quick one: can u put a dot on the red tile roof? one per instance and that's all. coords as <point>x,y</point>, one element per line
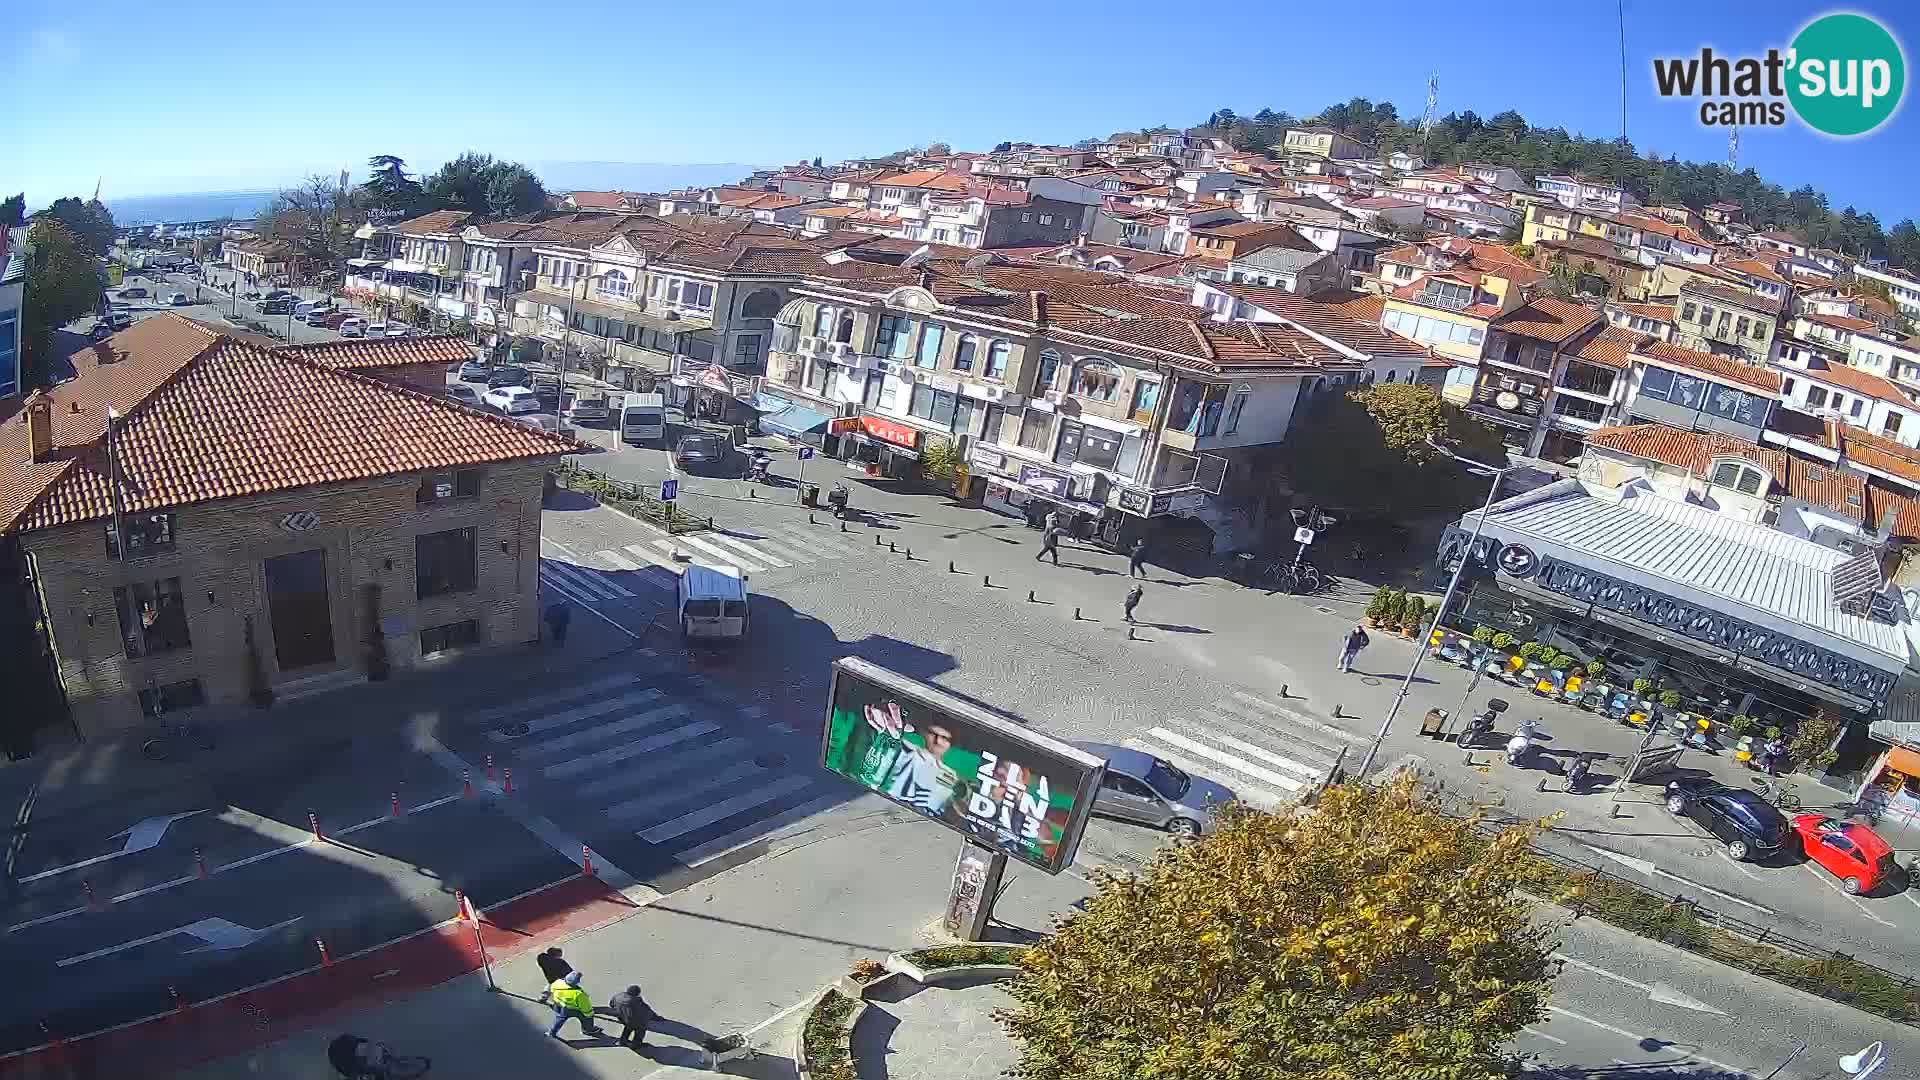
<point>435,223</point>
<point>602,200</point>
<point>1841,322</point>
<point>1612,347</point>
<point>1718,367</point>
<point>207,417</point>
<point>1745,298</point>
<point>1689,450</point>
<point>1830,486</point>
<point>1364,306</point>
<point>372,353</point>
<point>1860,382</point>
<point>1328,319</point>
<point>1886,455</point>
<point>1547,319</point>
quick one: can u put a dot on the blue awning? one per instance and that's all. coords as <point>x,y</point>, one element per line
<point>766,404</point>
<point>794,420</point>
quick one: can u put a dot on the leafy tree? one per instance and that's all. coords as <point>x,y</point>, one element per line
<point>1366,451</point>
<point>1370,936</point>
<point>938,149</point>
<point>1005,145</point>
<point>63,283</point>
<point>1903,245</point>
<point>816,161</point>
<point>318,217</point>
<point>90,222</point>
<point>513,191</point>
<point>389,187</point>
<point>13,212</point>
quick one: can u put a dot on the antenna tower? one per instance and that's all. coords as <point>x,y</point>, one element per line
<point>1733,149</point>
<point>1433,103</point>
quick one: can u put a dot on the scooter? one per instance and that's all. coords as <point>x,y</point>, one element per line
<point>837,498</point>
<point>1520,747</point>
<point>1482,723</point>
<point>758,467</point>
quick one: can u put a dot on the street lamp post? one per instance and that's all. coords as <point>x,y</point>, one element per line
<point>1446,600</point>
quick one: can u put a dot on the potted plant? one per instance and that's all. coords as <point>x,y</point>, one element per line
<point>1377,607</point>
<point>1410,616</point>
<point>1641,686</point>
<point>1530,651</point>
<point>1669,699</point>
<point>1483,634</point>
<point>1740,725</point>
<point>1395,606</point>
<point>1596,668</point>
<point>1560,662</point>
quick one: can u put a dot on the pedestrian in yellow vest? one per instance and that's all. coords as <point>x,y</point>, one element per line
<point>569,1000</point>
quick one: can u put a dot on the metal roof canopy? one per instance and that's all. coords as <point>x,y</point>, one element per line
<point>1746,571</point>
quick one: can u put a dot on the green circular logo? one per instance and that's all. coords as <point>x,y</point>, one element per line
<point>1847,74</point>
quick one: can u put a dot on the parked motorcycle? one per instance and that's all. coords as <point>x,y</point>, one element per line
<point>1520,747</point>
<point>837,498</point>
<point>758,467</point>
<point>1481,724</point>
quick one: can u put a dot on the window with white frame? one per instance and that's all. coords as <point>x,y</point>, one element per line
<point>1096,378</point>
<point>615,285</point>
<point>997,360</point>
<point>822,322</point>
<point>1742,476</point>
<point>928,355</point>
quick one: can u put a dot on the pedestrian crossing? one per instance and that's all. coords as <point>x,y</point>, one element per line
<point>647,571</point>
<point>1270,755</point>
<point>697,779</point>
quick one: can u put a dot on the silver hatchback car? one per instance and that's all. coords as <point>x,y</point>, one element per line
<point>1142,788</point>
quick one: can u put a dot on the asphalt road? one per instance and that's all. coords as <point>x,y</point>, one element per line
<point>213,306</point>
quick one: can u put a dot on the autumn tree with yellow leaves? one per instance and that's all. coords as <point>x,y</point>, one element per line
<point>1371,936</point>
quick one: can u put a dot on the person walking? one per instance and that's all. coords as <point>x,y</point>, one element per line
<point>1050,545</point>
<point>1137,558</point>
<point>1351,645</point>
<point>1133,599</point>
<point>634,1015</point>
<point>552,969</point>
<point>569,1000</point>
<point>557,618</point>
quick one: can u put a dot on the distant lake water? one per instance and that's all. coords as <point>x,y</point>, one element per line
<point>191,206</point>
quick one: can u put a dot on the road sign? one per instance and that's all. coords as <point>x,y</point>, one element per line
<point>1303,535</point>
<point>668,489</point>
<point>805,452</point>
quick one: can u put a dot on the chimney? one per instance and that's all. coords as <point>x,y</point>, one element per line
<point>1040,309</point>
<point>39,426</point>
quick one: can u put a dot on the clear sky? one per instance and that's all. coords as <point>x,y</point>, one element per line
<point>217,94</point>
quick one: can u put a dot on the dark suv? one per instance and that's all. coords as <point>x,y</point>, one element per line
<point>1748,824</point>
<point>509,375</point>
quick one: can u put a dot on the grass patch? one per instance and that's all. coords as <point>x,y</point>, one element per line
<point>946,956</point>
<point>1835,977</point>
<point>827,1055</point>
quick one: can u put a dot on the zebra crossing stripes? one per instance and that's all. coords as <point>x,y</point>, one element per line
<point>725,555</point>
<point>579,584</point>
<point>1268,755</point>
<point>675,772</point>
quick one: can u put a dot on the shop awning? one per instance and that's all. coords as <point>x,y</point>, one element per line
<point>794,420</point>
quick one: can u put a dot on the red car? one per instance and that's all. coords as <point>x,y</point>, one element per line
<point>1851,852</point>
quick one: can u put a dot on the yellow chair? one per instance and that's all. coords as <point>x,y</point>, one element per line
<point>1574,682</point>
<point>1637,719</point>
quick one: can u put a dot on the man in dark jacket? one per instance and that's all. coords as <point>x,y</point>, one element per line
<point>634,1015</point>
<point>1137,558</point>
<point>1049,545</point>
<point>552,970</point>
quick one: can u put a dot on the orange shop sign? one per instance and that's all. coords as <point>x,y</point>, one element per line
<point>888,431</point>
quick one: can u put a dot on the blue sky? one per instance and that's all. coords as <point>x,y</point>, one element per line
<point>218,94</point>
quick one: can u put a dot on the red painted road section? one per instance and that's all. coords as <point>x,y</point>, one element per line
<point>243,1021</point>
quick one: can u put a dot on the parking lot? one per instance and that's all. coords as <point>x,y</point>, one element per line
<point>210,304</point>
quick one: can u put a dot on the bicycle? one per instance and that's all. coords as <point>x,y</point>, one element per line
<point>361,1059</point>
<point>1298,578</point>
<point>182,732</point>
<point>1777,793</point>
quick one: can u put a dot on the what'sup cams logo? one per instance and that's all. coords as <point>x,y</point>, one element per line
<point>1843,75</point>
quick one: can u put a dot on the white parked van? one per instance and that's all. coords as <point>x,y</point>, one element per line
<point>644,419</point>
<point>713,602</point>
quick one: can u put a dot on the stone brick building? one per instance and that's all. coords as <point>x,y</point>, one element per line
<point>204,520</point>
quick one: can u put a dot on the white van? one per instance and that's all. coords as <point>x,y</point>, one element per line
<point>713,602</point>
<point>644,419</point>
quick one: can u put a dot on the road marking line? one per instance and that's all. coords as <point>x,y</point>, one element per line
<point>781,550</point>
<point>1544,1035</point>
<point>1268,756</point>
<point>1583,965</point>
<point>1286,715</point>
<point>1634,1035</point>
<point>567,592</point>
<point>726,845</point>
<point>605,682</point>
<point>572,716</point>
<point>724,809</point>
<point>1253,795</point>
<point>1231,761</point>
<point>668,565</point>
<point>1835,886</point>
<point>735,542</point>
<point>796,536</point>
<point>633,749</point>
<point>144,835</point>
<point>619,561</point>
<point>583,582</point>
<point>641,807</point>
<point>631,720</point>
<point>727,558</point>
<point>642,778</point>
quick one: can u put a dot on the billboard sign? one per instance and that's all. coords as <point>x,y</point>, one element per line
<point>985,776</point>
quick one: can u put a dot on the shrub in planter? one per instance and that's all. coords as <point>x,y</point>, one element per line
<point>1813,741</point>
<point>1483,634</point>
<point>1503,640</point>
<point>1377,607</point>
<point>1560,662</point>
<point>1530,650</point>
<point>1416,610</point>
<point>1740,725</point>
<point>1641,686</point>
<point>1396,606</point>
<point>1670,699</point>
<point>1596,668</point>
<point>1770,732</point>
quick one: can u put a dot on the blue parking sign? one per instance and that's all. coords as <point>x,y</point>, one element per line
<point>668,489</point>
<point>805,452</point>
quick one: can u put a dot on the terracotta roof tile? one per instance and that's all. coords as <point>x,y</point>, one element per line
<point>1719,367</point>
<point>1612,347</point>
<point>1547,319</point>
<point>209,417</point>
<point>1328,319</point>
<point>1365,306</point>
<point>1689,450</point>
<point>1745,298</point>
<point>1829,486</point>
<point>1886,455</point>
<point>1841,322</point>
<point>367,354</point>
<point>1860,382</point>
<point>435,223</point>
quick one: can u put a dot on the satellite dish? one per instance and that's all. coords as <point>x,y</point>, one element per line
<point>918,256</point>
<point>980,262</point>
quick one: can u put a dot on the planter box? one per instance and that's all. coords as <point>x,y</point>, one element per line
<point>943,976</point>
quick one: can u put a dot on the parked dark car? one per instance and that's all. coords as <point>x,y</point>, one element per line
<point>475,371</point>
<point>281,306</point>
<point>700,452</point>
<point>509,375</point>
<point>1749,825</point>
